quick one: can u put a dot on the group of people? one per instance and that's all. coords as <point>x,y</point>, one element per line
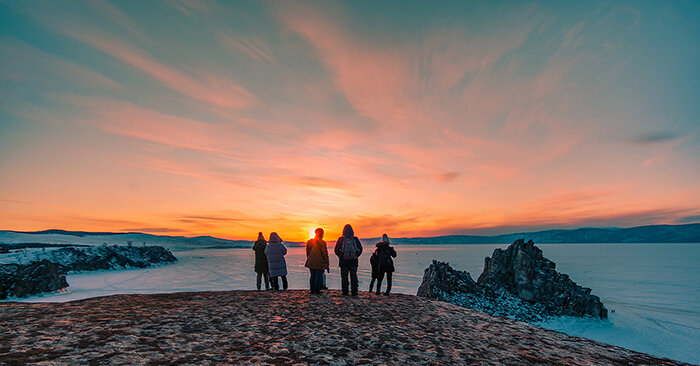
<point>270,264</point>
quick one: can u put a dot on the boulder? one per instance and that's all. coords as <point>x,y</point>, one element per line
<point>20,280</point>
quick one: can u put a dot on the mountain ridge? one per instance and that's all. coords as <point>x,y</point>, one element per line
<point>685,233</point>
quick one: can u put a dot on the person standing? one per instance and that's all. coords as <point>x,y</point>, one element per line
<point>385,263</point>
<point>277,266</point>
<point>317,260</point>
<point>348,248</point>
<point>261,262</point>
<point>375,270</point>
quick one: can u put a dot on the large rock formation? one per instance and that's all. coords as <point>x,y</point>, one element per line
<point>517,282</point>
<point>20,280</point>
<point>523,271</point>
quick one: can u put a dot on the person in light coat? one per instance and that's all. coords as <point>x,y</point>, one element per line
<point>276,264</point>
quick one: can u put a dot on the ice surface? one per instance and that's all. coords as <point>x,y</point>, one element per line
<point>654,289</point>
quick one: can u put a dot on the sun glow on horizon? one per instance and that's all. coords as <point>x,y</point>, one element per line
<point>419,121</point>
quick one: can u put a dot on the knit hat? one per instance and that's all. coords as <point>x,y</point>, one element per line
<point>385,238</point>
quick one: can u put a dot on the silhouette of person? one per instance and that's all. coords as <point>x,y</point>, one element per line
<point>385,263</point>
<point>317,260</point>
<point>348,248</point>
<point>261,262</point>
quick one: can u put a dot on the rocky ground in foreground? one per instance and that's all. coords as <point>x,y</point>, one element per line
<point>286,327</point>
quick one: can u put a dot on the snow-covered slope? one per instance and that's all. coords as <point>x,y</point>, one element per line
<point>136,239</point>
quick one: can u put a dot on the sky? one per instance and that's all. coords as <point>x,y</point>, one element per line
<point>400,117</point>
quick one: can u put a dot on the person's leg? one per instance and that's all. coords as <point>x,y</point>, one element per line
<point>344,280</point>
<point>285,285</point>
<point>388,282</point>
<point>374,279</point>
<point>323,281</point>
<point>274,283</point>
<point>354,284</point>
<point>318,280</point>
<point>266,277</point>
<point>380,277</point>
<point>312,281</point>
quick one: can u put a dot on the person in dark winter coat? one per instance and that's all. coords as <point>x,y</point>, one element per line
<point>348,248</point>
<point>277,266</point>
<point>261,262</point>
<point>385,263</point>
<point>317,260</point>
<point>375,272</point>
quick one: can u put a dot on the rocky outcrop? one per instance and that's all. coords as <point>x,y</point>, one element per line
<point>110,257</point>
<point>441,280</point>
<point>525,272</point>
<point>517,282</point>
<point>285,328</point>
<point>46,271</point>
<point>20,280</point>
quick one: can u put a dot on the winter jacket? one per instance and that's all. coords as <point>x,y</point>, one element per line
<point>275,253</point>
<point>260,257</point>
<point>316,254</point>
<point>347,238</point>
<point>383,248</point>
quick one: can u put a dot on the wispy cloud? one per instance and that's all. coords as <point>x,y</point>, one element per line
<point>205,87</point>
<point>25,63</point>
<point>252,47</point>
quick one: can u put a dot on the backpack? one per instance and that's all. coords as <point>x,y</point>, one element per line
<point>349,249</point>
<point>385,260</point>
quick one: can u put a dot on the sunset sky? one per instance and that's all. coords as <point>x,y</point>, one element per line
<point>410,118</point>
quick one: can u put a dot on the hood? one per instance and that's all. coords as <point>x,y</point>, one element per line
<point>348,231</point>
<point>274,238</point>
<point>382,243</point>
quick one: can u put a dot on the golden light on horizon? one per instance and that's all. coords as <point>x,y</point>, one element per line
<point>312,232</point>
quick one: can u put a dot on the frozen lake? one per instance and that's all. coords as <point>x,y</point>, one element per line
<point>654,289</point>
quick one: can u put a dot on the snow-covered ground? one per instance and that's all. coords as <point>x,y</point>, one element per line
<point>654,289</point>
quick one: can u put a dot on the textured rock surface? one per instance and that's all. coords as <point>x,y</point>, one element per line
<point>442,282</point>
<point>290,327</point>
<point>110,257</point>
<point>517,282</point>
<point>523,271</point>
<point>20,280</point>
<point>45,271</point>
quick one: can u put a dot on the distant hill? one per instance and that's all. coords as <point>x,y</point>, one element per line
<point>689,233</point>
<point>55,236</point>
